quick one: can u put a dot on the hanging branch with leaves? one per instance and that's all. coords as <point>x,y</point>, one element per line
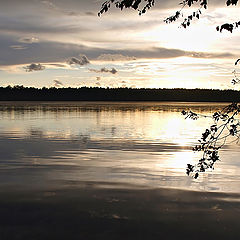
<point>214,138</point>
<point>142,6</point>
<point>187,20</point>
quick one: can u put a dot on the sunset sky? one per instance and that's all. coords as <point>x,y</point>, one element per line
<point>64,43</point>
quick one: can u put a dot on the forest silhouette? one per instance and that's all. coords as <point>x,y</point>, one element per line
<point>21,93</point>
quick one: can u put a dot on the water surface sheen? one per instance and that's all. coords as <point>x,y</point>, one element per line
<point>145,144</point>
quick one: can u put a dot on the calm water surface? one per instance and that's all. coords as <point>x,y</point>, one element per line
<point>129,144</point>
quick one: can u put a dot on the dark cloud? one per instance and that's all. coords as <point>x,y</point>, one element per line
<point>98,78</point>
<point>55,52</point>
<point>82,60</point>
<point>57,83</point>
<point>98,84</point>
<point>104,70</point>
<point>34,67</point>
<point>113,71</point>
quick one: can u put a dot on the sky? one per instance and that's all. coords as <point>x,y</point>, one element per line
<point>63,43</point>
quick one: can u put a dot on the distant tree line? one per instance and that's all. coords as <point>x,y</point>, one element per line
<point>21,93</point>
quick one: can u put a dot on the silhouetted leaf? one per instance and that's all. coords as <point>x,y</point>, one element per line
<point>237,61</point>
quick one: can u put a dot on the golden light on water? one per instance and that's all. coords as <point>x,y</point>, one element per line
<point>172,129</point>
<point>176,162</point>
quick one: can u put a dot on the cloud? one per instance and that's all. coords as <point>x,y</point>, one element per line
<point>209,55</point>
<point>53,7</point>
<point>160,53</point>
<point>104,70</point>
<point>57,83</point>
<point>29,40</point>
<point>49,5</point>
<point>18,47</point>
<point>82,60</point>
<point>98,78</point>
<point>98,84</point>
<point>90,13</point>
<point>57,65</point>
<point>165,53</point>
<point>34,67</point>
<point>124,84</point>
<point>114,57</point>
<point>41,25</point>
<point>56,52</point>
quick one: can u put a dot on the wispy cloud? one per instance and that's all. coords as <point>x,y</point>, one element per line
<point>90,13</point>
<point>57,65</point>
<point>115,57</point>
<point>51,6</point>
<point>104,70</point>
<point>209,55</point>
<point>28,40</point>
<point>18,47</point>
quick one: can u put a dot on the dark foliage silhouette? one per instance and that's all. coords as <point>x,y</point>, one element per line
<point>225,126</point>
<point>142,6</point>
<point>21,93</point>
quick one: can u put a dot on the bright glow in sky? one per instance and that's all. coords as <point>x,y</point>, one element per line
<point>122,49</point>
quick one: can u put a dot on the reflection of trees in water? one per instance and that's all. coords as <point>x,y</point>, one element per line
<point>21,108</point>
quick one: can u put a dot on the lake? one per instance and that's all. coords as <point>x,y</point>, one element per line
<point>143,144</point>
<point>125,153</point>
